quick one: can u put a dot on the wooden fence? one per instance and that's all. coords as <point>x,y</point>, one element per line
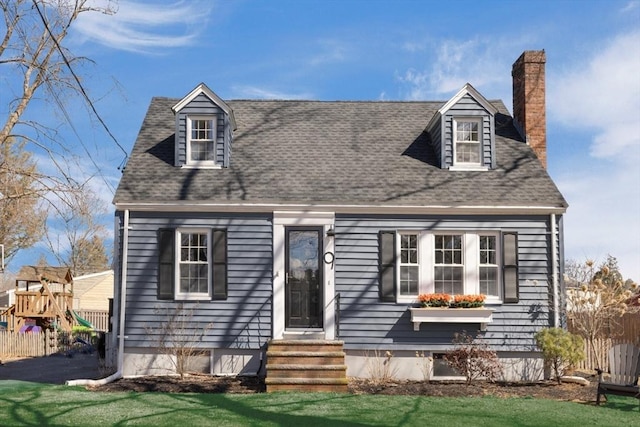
<point>45,343</point>
<point>98,318</point>
<point>627,331</point>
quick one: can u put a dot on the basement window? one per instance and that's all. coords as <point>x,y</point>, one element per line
<point>442,370</point>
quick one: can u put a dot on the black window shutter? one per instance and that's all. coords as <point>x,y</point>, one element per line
<point>166,263</point>
<point>219,265</point>
<point>386,265</point>
<point>510,267</point>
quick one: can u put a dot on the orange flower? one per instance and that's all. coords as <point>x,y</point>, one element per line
<point>468,301</point>
<point>434,300</point>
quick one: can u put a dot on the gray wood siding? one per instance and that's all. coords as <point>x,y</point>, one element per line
<point>435,134</point>
<point>365,322</point>
<point>201,105</point>
<point>243,320</point>
<point>468,107</point>
<point>228,139</point>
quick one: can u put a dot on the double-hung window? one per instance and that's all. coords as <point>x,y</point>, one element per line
<point>201,132</point>
<point>467,144</point>
<point>488,267</point>
<point>409,264</point>
<point>193,263</point>
<point>448,270</point>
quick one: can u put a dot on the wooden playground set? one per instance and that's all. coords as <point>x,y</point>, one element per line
<point>43,298</point>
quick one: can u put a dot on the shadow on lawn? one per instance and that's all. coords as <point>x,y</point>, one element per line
<point>622,404</point>
<point>26,403</point>
<point>35,408</point>
<point>281,415</point>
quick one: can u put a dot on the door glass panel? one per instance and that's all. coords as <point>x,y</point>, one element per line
<point>303,255</point>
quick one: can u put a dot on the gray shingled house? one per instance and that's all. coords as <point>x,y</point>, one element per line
<point>304,232</point>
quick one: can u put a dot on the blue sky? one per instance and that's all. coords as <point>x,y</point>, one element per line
<point>382,50</point>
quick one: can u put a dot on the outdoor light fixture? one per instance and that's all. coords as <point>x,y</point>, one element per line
<point>331,232</point>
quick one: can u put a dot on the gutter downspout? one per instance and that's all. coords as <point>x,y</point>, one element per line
<point>554,272</point>
<point>123,298</point>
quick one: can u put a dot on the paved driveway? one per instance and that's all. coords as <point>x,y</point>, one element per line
<point>54,369</point>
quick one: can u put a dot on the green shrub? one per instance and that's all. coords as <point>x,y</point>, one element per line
<point>560,348</point>
<point>79,329</point>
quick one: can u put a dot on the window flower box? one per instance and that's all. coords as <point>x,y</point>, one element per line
<point>481,315</point>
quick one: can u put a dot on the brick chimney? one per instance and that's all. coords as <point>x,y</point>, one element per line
<point>529,100</point>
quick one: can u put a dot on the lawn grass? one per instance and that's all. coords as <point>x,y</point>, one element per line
<point>31,404</point>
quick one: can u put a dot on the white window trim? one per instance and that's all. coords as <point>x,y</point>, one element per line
<point>214,130</point>
<point>470,260</point>
<point>195,296</point>
<point>467,165</point>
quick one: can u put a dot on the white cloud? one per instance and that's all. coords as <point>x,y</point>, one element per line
<point>481,62</point>
<point>331,51</point>
<point>601,97</point>
<point>603,94</point>
<point>631,6</point>
<point>145,27</point>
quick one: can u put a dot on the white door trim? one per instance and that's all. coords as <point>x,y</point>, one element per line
<point>281,219</point>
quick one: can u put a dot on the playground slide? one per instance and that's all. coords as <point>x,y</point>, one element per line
<point>81,321</point>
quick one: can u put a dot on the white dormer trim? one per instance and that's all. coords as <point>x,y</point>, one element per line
<point>203,89</point>
<point>467,89</point>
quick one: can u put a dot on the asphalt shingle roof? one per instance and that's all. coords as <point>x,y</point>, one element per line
<point>338,153</point>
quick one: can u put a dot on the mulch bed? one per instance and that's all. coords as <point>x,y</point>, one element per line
<point>213,384</point>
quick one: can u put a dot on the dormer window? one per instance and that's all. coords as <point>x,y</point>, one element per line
<point>204,130</point>
<point>467,142</point>
<point>462,132</point>
<point>201,131</point>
